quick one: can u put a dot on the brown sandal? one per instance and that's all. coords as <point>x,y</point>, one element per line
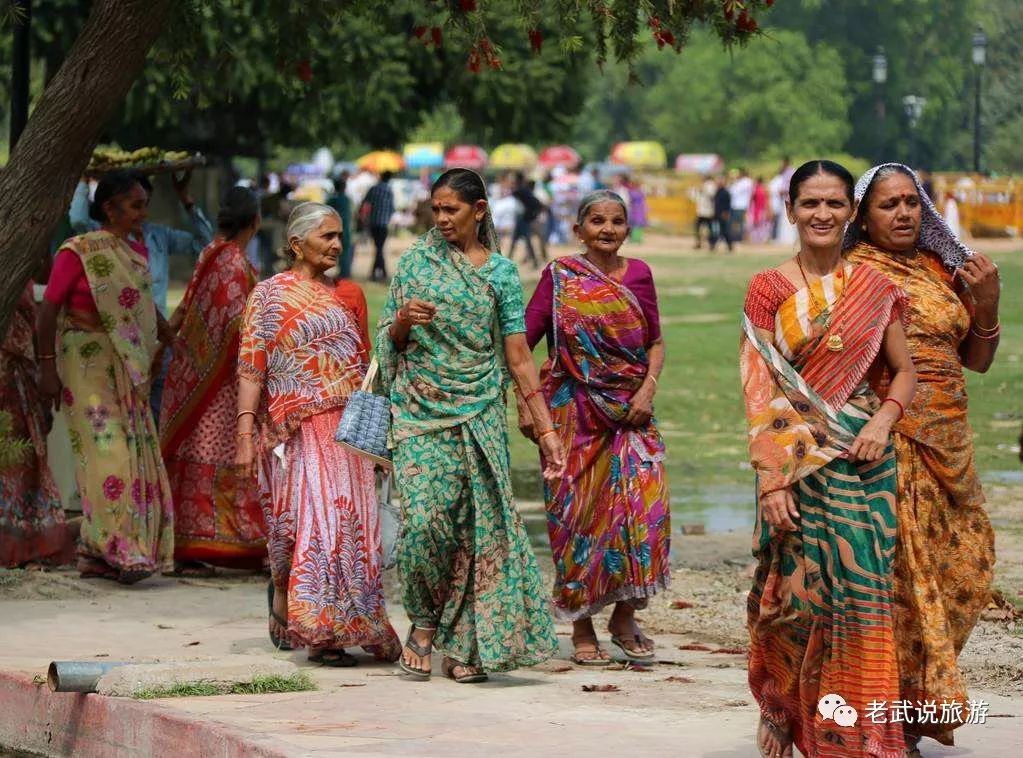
<point>422,652</point>
<point>587,658</point>
<point>474,676</point>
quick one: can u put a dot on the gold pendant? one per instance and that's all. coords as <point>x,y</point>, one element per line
<point>835,343</point>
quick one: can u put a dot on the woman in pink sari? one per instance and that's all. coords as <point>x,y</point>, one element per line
<point>608,517</point>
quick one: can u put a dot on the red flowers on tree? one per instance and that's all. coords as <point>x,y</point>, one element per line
<point>536,40</point>
<point>304,71</point>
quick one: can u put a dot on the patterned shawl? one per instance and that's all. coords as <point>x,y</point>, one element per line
<point>206,355</point>
<point>122,288</point>
<point>935,234</point>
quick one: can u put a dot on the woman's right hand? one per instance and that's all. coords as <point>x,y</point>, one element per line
<point>554,457</point>
<point>780,509</point>
<point>49,386</point>
<point>245,455</point>
<point>416,312</point>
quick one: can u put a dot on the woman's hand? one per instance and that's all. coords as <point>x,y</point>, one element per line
<point>641,406</point>
<point>779,508</point>
<point>526,424</point>
<point>981,274</point>
<point>416,312</point>
<point>872,440</point>
<point>553,455</point>
<point>49,386</point>
<point>245,455</point>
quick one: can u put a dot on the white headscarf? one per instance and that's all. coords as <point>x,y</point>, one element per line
<point>935,234</point>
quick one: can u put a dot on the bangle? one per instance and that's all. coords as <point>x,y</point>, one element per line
<point>652,378</point>
<point>244,434</point>
<point>525,398</point>
<point>985,329</point>
<point>992,336</point>
<point>48,357</point>
<point>902,408</point>
<point>541,435</point>
<point>245,413</point>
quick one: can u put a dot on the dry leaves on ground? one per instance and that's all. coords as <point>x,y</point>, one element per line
<point>600,688</point>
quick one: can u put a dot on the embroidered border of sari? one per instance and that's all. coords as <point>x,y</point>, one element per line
<point>820,611</point>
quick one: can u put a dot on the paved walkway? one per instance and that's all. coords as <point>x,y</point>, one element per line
<point>694,704</point>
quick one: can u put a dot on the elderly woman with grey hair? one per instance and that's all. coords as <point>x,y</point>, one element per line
<point>301,357</point>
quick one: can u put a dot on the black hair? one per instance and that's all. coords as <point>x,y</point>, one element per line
<point>239,210</point>
<point>386,176</point>
<point>859,233</point>
<point>111,185</point>
<point>469,187</point>
<point>147,185</point>
<point>815,168</point>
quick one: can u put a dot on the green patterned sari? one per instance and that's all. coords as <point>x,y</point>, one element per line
<point>464,556</point>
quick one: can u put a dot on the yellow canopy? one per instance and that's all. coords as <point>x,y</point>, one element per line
<point>381,160</point>
<point>513,156</point>
<point>639,154</point>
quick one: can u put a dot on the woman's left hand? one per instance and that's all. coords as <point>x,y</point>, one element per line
<point>871,442</point>
<point>981,274</point>
<point>641,407</point>
<point>554,457</point>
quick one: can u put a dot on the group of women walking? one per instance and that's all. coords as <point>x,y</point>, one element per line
<point>874,552</point>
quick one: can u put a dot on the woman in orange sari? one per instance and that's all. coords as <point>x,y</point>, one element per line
<point>822,647</point>
<point>218,517</point>
<point>945,555</point>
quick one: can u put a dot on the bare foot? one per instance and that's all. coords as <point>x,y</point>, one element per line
<point>280,611</point>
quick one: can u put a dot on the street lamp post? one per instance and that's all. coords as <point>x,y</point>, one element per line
<point>880,75</point>
<point>914,107</point>
<point>979,59</point>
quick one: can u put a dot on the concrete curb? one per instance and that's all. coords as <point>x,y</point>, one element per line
<point>67,724</point>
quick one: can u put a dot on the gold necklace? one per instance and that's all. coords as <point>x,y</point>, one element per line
<point>834,343</point>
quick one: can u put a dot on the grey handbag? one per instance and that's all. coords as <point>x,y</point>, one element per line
<point>365,421</point>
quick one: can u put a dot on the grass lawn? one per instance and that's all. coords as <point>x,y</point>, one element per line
<point>699,408</point>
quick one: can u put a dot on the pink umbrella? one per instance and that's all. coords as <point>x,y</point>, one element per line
<point>466,156</point>
<point>559,155</point>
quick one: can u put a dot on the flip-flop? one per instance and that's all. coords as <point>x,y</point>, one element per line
<point>596,662</point>
<point>618,641</point>
<point>475,677</point>
<point>278,642</point>
<point>422,652</point>
<point>132,576</point>
<point>333,658</point>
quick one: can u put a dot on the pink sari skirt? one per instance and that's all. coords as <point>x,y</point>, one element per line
<point>323,538</point>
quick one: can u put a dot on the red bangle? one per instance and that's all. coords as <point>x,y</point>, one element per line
<point>537,391</point>
<point>902,408</point>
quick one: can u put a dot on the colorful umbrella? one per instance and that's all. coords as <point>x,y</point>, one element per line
<point>381,160</point>
<point>639,154</point>
<point>513,156</point>
<point>466,156</point>
<point>424,154</point>
<point>699,163</point>
<point>559,155</point>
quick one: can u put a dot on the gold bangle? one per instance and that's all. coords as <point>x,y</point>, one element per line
<point>652,378</point>
<point>245,434</point>
<point>245,413</point>
<point>541,435</point>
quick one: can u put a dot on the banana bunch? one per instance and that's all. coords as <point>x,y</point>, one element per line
<point>109,158</point>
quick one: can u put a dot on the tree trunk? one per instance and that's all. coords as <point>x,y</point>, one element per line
<point>54,149</point>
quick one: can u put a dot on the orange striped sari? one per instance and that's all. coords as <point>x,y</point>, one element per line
<point>820,611</point>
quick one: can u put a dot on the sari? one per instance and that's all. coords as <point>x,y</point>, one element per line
<point>128,522</point>
<point>303,347</point>
<point>463,552</point>
<point>32,525</point>
<point>218,516</point>
<point>945,559</point>
<point>820,611</point>
<point>609,517</point>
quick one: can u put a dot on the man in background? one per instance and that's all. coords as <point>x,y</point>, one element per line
<point>379,204</point>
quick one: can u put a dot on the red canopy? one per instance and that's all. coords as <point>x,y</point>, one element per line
<point>466,156</point>
<point>559,155</point>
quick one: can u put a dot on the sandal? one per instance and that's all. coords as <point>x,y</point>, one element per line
<point>278,642</point>
<point>636,654</point>
<point>132,576</point>
<point>474,675</point>
<point>422,652</point>
<point>780,733</point>
<point>596,657</point>
<point>332,658</point>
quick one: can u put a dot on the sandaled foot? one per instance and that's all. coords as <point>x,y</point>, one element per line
<point>278,611</point>
<point>93,568</point>
<point>588,652</point>
<point>463,673</point>
<point>629,638</point>
<point>389,651</point>
<point>773,741</point>
<point>415,655</point>
<point>192,569</point>
<point>132,575</point>
<point>333,658</point>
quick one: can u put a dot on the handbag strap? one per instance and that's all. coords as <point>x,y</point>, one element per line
<point>371,375</point>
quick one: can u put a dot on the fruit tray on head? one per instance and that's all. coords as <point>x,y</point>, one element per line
<point>146,160</point>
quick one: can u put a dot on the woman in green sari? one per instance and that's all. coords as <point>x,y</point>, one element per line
<point>454,323</point>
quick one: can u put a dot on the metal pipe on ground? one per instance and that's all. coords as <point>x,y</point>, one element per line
<point>78,676</point>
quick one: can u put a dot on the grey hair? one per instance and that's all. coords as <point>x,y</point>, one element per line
<point>304,219</point>
<point>599,196</point>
